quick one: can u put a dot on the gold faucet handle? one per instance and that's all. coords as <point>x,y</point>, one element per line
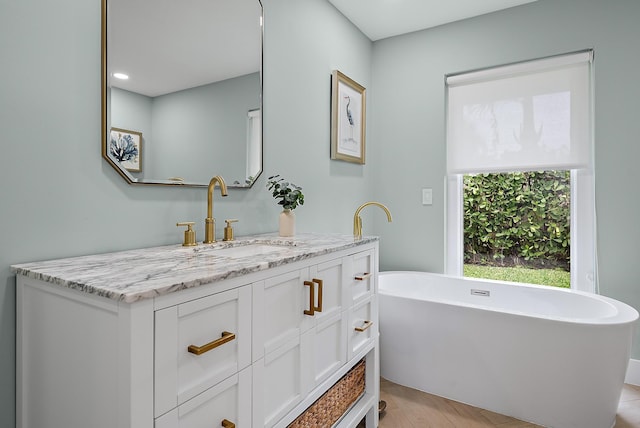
<point>189,234</point>
<point>228,230</point>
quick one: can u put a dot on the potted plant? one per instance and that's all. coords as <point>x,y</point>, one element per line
<point>289,196</point>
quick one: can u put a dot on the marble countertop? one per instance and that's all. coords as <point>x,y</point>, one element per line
<point>133,275</point>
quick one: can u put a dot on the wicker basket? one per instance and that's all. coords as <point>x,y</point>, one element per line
<point>334,403</point>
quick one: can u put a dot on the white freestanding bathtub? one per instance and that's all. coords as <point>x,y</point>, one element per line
<point>554,357</point>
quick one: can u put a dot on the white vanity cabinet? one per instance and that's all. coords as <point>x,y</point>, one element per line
<point>253,349</point>
<point>300,352</point>
<point>300,336</point>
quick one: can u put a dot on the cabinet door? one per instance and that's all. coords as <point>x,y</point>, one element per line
<point>329,279</point>
<point>280,349</point>
<point>278,311</point>
<point>281,380</point>
<point>200,343</point>
<point>229,401</point>
<point>329,351</point>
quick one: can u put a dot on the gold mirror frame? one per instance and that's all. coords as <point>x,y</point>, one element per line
<point>105,131</point>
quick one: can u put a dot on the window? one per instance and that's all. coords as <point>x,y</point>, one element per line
<point>531,116</point>
<point>254,145</point>
<point>517,226</point>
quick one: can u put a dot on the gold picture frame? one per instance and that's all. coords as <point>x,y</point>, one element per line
<point>348,119</point>
<point>125,147</point>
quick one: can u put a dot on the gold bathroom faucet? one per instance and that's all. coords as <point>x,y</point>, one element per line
<point>210,222</point>
<point>357,221</point>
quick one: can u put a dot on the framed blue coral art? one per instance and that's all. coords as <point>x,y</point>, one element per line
<point>125,147</point>
<point>348,108</point>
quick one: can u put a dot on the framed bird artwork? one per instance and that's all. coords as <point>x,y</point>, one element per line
<point>348,109</point>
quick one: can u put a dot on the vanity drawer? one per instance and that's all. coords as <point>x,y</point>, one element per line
<point>362,327</point>
<point>229,401</point>
<point>200,343</point>
<point>362,277</point>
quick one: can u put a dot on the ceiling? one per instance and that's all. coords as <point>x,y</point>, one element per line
<point>379,19</point>
<point>169,45</point>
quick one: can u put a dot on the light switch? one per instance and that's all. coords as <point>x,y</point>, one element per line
<point>427,196</point>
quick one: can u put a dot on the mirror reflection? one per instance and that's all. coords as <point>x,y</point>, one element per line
<point>182,90</point>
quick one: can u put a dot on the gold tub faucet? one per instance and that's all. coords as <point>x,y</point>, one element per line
<point>210,222</point>
<point>357,221</point>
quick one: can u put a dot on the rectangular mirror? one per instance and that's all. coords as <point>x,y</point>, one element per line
<point>182,90</point>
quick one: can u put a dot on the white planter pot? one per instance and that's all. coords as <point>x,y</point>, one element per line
<point>287,223</point>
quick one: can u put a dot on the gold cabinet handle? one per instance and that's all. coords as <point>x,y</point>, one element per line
<point>199,350</point>
<point>363,276</point>
<point>319,307</point>
<point>312,293</point>
<point>228,424</point>
<point>365,326</point>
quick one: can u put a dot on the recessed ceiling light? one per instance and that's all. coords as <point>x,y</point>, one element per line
<point>121,76</point>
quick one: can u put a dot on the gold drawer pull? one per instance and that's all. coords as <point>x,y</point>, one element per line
<point>199,350</point>
<point>228,424</point>
<point>319,307</point>
<point>363,276</point>
<point>312,293</point>
<point>365,326</point>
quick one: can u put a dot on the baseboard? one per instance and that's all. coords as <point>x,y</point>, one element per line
<point>633,372</point>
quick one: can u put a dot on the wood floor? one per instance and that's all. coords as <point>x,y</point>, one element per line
<point>409,408</point>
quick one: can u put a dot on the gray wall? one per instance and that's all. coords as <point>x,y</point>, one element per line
<point>188,133</point>
<point>133,112</point>
<point>204,128</point>
<point>408,123</point>
<point>59,198</point>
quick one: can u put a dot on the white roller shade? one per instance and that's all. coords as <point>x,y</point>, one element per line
<point>522,117</point>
